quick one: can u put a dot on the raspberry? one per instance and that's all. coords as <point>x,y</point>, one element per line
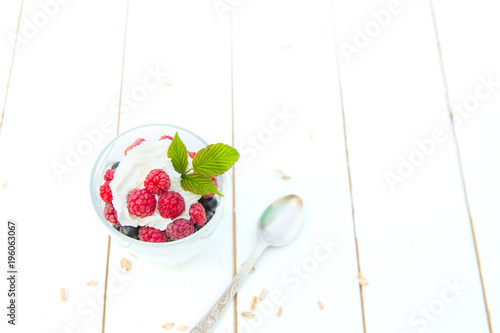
<point>180,229</point>
<point>192,154</point>
<point>197,213</point>
<point>206,196</point>
<point>152,235</point>
<point>110,214</point>
<point>141,203</point>
<point>171,205</point>
<point>157,181</point>
<point>105,192</point>
<point>109,175</point>
<point>166,137</point>
<point>135,144</point>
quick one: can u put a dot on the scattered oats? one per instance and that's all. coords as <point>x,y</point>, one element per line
<point>132,255</point>
<point>281,174</point>
<point>311,134</point>
<point>5,184</point>
<point>64,294</point>
<point>262,294</point>
<point>91,283</point>
<point>253,303</point>
<point>167,84</point>
<point>125,265</point>
<point>168,326</point>
<point>286,48</point>
<point>362,281</point>
<point>182,328</point>
<point>247,315</point>
<point>280,311</point>
<point>320,305</point>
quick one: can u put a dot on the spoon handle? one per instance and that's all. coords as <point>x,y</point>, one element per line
<point>209,322</point>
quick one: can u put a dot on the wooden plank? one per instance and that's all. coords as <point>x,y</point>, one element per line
<point>190,49</point>
<point>415,242</point>
<point>9,19</point>
<point>288,117</point>
<point>470,56</point>
<point>63,83</point>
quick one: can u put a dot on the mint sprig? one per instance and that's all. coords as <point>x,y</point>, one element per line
<point>198,184</point>
<point>177,152</point>
<point>214,160</point>
<point>209,162</point>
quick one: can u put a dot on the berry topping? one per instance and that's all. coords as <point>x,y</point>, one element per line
<point>141,203</point>
<point>135,144</point>
<point>108,176</point>
<point>214,180</point>
<point>152,235</point>
<point>210,214</point>
<point>130,231</point>
<point>197,213</point>
<point>180,229</point>
<point>114,166</point>
<point>157,181</point>
<point>208,203</point>
<point>105,192</point>
<point>166,137</point>
<point>110,214</point>
<point>192,154</point>
<point>171,205</point>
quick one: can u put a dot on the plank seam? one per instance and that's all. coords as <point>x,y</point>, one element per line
<point>11,65</point>
<point>117,133</point>
<point>348,165</point>
<point>459,160</point>
<point>235,262</point>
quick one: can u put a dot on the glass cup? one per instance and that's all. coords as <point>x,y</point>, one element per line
<point>171,253</point>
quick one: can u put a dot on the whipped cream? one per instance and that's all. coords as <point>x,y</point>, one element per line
<point>130,175</point>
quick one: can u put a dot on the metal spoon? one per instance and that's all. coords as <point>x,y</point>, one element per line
<point>278,225</point>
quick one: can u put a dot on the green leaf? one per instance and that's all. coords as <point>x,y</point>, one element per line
<point>199,184</point>
<point>214,160</point>
<point>177,152</point>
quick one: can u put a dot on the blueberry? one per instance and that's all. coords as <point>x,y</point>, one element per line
<point>114,166</point>
<point>197,227</point>
<point>117,227</point>
<point>209,203</point>
<point>210,214</point>
<point>130,231</point>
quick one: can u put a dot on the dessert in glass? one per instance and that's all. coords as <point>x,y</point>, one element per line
<point>155,197</point>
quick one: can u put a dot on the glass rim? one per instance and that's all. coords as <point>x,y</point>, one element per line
<point>110,227</point>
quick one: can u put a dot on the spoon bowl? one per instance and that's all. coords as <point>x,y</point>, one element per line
<point>281,220</point>
<point>277,226</point>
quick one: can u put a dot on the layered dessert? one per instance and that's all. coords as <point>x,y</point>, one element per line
<point>160,192</point>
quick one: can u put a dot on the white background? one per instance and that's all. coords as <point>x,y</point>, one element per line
<point>351,99</point>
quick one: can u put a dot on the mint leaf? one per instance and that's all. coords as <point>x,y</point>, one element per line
<point>177,152</point>
<point>214,160</point>
<point>199,184</point>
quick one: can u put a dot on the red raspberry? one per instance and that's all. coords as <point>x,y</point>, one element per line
<point>105,192</point>
<point>135,144</point>
<point>192,154</point>
<point>180,229</point>
<point>152,235</point>
<point>171,205</point>
<point>109,175</point>
<point>197,213</point>
<point>110,214</point>
<point>157,181</point>
<point>141,203</point>
<point>206,196</point>
<point>166,137</point>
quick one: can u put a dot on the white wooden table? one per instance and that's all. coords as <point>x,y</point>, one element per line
<point>351,99</point>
